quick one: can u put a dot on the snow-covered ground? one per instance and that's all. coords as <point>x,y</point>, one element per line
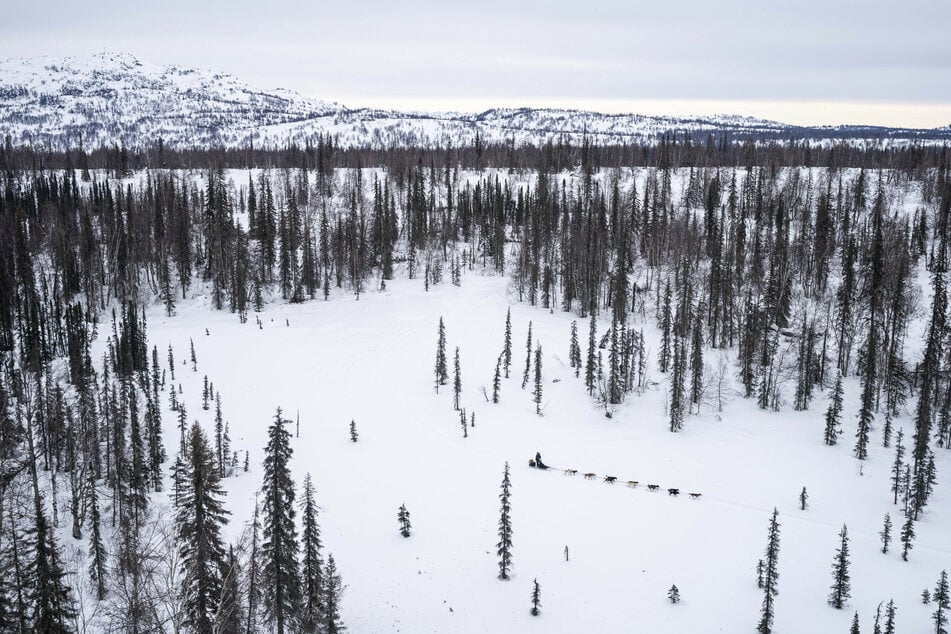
<point>371,360</point>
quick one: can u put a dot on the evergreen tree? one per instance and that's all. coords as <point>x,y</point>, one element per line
<point>663,360</point>
<point>528,357</point>
<point>841,580</point>
<point>505,527</point>
<point>696,359</point>
<point>354,436</point>
<point>907,537</point>
<point>280,577</point>
<point>456,381</point>
<point>254,591</point>
<point>834,413</point>
<point>770,576</point>
<point>403,518</point>
<point>171,363</point>
<point>97,550</point>
<point>803,500</point>
<point>507,347</point>
<point>51,598</point>
<point>221,452</point>
<point>855,625</point>
<point>676,405</point>
<point>201,515</point>
<point>333,590</point>
<point>497,380</point>
<point>311,562</point>
<point>229,615</point>
<point>942,600</point>
<point>673,595</point>
<point>591,365</point>
<point>886,533</point>
<point>574,349</point>
<point>536,598</point>
<point>537,393</point>
<point>442,372</point>
<point>896,478</point>
<point>890,610</point>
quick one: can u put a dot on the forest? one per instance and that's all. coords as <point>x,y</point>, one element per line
<point>812,264</point>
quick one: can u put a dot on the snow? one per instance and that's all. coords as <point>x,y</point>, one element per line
<point>371,360</point>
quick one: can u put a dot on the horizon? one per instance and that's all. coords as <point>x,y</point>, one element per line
<point>792,113</point>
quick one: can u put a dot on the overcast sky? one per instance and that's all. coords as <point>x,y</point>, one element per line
<point>803,61</point>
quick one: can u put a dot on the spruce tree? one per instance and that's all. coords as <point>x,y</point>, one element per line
<point>403,518</point>
<point>507,347</point>
<point>663,359</point>
<point>536,598</point>
<point>201,515</point>
<point>907,536</point>
<point>333,590</point>
<point>841,581</point>
<point>896,478</point>
<point>280,576</point>
<point>456,381</point>
<point>574,349</point>
<point>696,359</point>
<point>591,365</point>
<point>942,599</point>
<point>528,357</point>
<point>537,392</point>
<point>441,370</point>
<point>504,547</point>
<point>855,625</point>
<point>890,610</point>
<point>50,596</point>
<point>677,396</point>
<point>229,617</point>
<point>354,436</point>
<point>97,550</point>
<point>497,380</point>
<point>803,500</point>
<point>673,595</point>
<point>311,561</point>
<point>834,412</point>
<point>770,576</point>
<point>886,533</point>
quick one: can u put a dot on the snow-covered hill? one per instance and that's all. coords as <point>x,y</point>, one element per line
<point>112,98</point>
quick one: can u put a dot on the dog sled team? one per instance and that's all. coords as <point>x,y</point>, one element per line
<point>537,463</point>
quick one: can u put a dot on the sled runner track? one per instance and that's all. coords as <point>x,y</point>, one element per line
<point>611,479</point>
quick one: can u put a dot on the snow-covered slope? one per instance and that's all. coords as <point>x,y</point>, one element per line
<point>112,98</point>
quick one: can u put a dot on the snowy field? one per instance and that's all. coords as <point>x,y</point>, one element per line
<point>371,360</point>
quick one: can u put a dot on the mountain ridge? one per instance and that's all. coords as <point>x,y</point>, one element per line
<point>110,98</point>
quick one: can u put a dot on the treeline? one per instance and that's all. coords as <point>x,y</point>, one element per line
<point>807,274</point>
<point>324,153</point>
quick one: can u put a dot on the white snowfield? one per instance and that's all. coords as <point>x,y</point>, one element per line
<point>371,360</point>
